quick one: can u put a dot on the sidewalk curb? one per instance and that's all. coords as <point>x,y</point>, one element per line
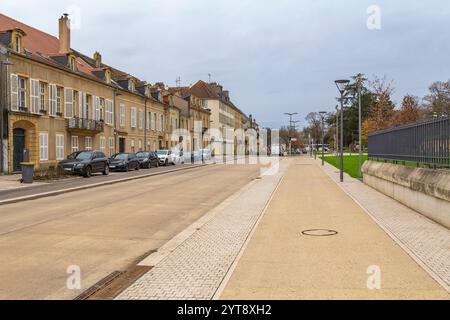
<point>91,186</point>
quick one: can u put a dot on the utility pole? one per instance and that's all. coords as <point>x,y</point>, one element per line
<point>178,82</point>
<point>290,127</point>
<point>209,77</point>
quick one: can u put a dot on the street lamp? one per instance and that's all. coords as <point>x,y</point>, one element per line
<point>342,87</point>
<point>322,117</point>
<point>360,82</point>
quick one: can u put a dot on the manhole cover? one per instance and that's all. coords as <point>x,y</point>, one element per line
<point>319,233</point>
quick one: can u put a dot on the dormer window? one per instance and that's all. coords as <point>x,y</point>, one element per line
<point>72,63</point>
<point>108,76</point>
<point>131,85</point>
<point>17,40</point>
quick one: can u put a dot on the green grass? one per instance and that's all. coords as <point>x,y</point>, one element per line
<point>350,164</point>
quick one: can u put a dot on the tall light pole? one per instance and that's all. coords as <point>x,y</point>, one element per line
<point>359,83</point>
<point>342,87</point>
<point>290,126</point>
<point>337,134</point>
<point>322,117</point>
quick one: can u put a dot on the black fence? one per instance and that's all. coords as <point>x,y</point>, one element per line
<point>425,142</point>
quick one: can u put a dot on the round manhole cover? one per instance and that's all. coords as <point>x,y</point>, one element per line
<point>319,233</point>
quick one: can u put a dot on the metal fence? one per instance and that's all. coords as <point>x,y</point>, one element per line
<point>425,142</point>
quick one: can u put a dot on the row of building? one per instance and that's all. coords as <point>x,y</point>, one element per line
<point>56,100</point>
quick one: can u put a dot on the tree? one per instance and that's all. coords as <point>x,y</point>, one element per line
<point>382,110</point>
<point>410,111</point>
<point>438,100</point>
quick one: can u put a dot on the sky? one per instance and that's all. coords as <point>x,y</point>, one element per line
<point>273,56</point>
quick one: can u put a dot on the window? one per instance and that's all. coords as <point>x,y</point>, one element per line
<point>43,146</point>
<point>102,144</point>
<point>22,94</point>
<point>132,145</point>
<point>74,142</point>
<point>122,115</point>
<point>88,143</point>
<point>147,121</point>
<point>59,147</point>
<point>111,146</point>
<point>18,43</point>
<point>140,119</point>
<point>42,87</point>
<point>58,101</point>
<point>133,117</point>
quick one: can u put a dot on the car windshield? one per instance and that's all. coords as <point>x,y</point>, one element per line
<point>142,155</point>
<point>120,156</point>
<point>73,155</point>
<point>84,156</point>
<point>162,152</point>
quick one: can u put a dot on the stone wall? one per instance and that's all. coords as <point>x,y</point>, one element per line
<point>426,191</point>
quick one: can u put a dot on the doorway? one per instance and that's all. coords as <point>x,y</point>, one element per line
<point>19,146</point>
<point>121,145</point>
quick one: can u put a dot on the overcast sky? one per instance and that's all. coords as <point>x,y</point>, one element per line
<point>274,56</point>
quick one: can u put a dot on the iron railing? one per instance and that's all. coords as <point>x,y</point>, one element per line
<point>84,124</point>
<point>426,142</point>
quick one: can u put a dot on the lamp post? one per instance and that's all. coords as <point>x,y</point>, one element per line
<point>322,117</point>
<point>359,82</point>
<point>342,87</point>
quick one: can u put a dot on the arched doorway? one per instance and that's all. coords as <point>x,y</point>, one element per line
<point>19,146</point>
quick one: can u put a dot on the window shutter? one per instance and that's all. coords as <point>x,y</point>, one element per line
<point>32,95</point>
<point>14,92</point>
<point>52,96</point>
<point>95,108</point>
<point>109,112</point>
<point>80,104</point>
<point>68,102</point>
<point>85,111</point>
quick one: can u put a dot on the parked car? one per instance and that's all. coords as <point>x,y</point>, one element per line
<point>86,163</point>
<point>165,157</point>
<point>206,154</point>
<point>178,157</point>
<point>147,159</point>
<point>124,162</point>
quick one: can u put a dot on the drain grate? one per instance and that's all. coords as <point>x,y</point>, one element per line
<point>99,285</point>
<point>319,233</point>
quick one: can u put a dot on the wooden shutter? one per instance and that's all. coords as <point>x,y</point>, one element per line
<point>52,99</point>
<point>80,104</point>
<point>14,92</point>
<point>68,103</point>
<point>84,107</point>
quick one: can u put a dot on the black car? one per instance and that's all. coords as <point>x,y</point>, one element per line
<point>124,162</point>
<point>147,159</point>
<point>86,163</point>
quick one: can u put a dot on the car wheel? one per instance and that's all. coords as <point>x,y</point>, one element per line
<point>166,163</point>
<point>137,167</point>
<point>106,170</point>
<point>87,172</point>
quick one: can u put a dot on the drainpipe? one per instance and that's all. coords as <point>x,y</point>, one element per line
<point>145,125</point>
<point>116,130</point>
<point>4,97</point>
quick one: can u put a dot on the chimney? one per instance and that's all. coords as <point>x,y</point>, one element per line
<point>64,34</point>
<point>98,59</point>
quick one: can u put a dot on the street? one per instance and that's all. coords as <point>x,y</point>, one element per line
<point>104,229</point>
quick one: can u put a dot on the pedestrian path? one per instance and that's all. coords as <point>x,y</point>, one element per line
<point>361,261</point>
<point>194,264</point>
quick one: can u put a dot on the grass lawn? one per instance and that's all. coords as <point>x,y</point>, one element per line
<point>350,164</point>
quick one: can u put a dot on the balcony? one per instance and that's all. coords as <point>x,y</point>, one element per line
<point>84,125</point>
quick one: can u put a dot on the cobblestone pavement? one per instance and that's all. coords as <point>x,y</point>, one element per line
<point>426,241</point>
<point>195,269</point>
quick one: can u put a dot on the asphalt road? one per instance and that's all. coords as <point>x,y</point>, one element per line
<point>104,229</point>
<point>77,181</point>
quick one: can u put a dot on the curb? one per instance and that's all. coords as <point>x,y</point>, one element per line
<point>91,186</point>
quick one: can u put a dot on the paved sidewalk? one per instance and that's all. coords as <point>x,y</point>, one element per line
<point>194,264</point>
<point>282,263</point>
